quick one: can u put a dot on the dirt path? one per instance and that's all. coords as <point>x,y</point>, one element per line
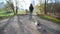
<point>18,25</point>
<point>22,25</point>
<point>50,26</point>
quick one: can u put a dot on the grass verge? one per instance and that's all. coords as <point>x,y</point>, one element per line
<point>50,19</point>
<point>3,16</point>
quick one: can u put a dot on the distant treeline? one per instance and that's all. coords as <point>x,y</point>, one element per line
<point>53,9</point>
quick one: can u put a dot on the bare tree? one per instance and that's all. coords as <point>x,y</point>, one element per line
<point>10,5</point>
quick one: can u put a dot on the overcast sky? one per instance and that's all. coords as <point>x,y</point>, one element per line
<point>23,3</point>
<point>26,3</point>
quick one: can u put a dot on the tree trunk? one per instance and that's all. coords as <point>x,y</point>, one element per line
<point>13,11</point>
<point>16,9</point>
<point>45,8</point>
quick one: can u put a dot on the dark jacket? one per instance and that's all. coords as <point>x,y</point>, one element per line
<point>31,8</point>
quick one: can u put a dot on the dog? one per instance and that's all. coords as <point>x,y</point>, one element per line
<point>38,24</point>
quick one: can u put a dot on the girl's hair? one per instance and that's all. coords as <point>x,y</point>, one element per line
<point>30,4</point>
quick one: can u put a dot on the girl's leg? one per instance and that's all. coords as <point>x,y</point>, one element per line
<point>30,15</point>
